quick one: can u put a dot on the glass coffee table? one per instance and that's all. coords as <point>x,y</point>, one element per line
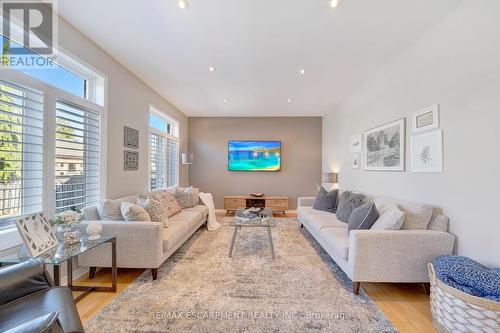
<point>243,220</point>
<point>65,253</point>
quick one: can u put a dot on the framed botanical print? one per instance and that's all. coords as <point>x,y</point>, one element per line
<point>427,152</point>
<point>385,147</point>
<point>425,119</point>
<point>355,160</point>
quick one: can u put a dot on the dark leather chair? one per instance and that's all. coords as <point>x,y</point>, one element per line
<point>29,301</point>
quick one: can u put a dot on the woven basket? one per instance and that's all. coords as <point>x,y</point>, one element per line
<point>455,311</point>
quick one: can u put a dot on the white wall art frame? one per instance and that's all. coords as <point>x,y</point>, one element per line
<point>385,147</point>
<point>356,143</point>
<point>355,160</point>
<point>427,152</point>
<point>425,119</point>
<point>37,234</point>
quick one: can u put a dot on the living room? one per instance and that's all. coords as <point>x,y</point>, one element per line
<point>195,166</point>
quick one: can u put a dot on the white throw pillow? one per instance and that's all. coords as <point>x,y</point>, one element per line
<point>390,218</point>
<point>109,210</point>
<point>133,212</point>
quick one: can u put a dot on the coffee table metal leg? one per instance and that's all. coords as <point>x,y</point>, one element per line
<point>232,241</point>
<point>270,241</point>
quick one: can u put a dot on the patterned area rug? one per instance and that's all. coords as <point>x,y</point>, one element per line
<point>200,289</point>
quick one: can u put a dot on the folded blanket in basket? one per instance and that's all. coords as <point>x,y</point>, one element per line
<point>469,276</point>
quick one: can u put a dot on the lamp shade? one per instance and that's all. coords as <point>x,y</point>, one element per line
<point>329,177</point>
<point>187,158</point>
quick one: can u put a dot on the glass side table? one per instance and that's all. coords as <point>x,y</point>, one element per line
<point>65,253</point>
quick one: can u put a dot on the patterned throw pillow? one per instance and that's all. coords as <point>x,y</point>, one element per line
<point>155,210</point>
<point>133,212</point>
<point>187,197</point>
<point>170,205</point>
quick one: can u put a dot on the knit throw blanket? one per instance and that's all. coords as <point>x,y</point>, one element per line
<point>469,276</point>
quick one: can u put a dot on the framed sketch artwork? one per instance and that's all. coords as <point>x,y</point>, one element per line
<point>427,152</point>
<point>130,160</point>
<point>130,137</point>
<point>355,144</point>
<point>425,119</point>
<point>355,160</point>
<point>37,234</point>
<point>385,147</point>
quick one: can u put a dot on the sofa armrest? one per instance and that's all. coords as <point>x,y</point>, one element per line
<point>138,245</point>
<point>23,279</point>
<point>395,255</point>
<point>305,201</point>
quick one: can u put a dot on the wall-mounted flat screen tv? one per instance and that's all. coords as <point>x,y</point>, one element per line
<point>254,156</point>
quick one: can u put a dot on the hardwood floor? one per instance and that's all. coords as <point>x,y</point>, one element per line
<point>405,305</point>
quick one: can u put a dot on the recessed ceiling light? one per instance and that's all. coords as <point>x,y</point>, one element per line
<point>289,100</point>
<point>211,69</point>
<point>302,71</point>
<point>182,4</point>
<point>334,3</point>
<point>225,100</point>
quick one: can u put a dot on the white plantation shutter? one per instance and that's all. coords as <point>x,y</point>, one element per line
<point>77,157</point>
<point>21,151</point>
<point>157,161</point>
<point>172,162</point>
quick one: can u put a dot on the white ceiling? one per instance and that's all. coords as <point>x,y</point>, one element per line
<point>256,46</point>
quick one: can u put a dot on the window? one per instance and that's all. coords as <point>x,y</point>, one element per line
<point>77,143</point>
<point>164,151</point>
<point>21,150</point>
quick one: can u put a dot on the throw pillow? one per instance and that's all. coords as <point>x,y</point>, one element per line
<point>170,205</point>
<point>187,197</point>
<point>133,212</point>
<point>109,210</point>
<point>326,201</point>
<point>155,210</point>
<point>391,218</point>
<point>347,203</point>
<point>363,217</point>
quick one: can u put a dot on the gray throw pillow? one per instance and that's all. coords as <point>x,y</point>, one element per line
<point>363,217</point>
<point>347,203</point>
<point>326,201</point>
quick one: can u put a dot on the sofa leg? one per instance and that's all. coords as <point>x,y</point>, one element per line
<point>301,225</point>
<point>154,272</point>
<point>355,287</point>
<point>92,272</point>
<point>427,287</point>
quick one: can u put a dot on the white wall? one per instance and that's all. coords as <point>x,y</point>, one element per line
<point>128,100</point>
<point>457,65</point>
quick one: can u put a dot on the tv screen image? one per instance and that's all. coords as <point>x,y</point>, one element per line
<point>254,156</point>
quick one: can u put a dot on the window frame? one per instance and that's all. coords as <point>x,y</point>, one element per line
<point>175,136</point>
<point>52,95</point>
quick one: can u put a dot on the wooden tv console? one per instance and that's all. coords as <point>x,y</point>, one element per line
<point>233,202</point>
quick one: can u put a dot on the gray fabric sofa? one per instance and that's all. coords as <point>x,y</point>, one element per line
<point>381,255</point>
<point>141,244</point>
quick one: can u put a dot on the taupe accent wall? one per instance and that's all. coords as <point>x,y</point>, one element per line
<point>301,139</point>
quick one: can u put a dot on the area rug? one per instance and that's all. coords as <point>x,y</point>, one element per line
<point>201,289</point>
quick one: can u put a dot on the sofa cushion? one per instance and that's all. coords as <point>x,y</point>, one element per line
<point>187,196</point>
<point>109,210</point>
<point>326,201</point>
<point>198,208</point>
<point>180,225</point>
<point>337,239</point>
<point>391,218</point>
<point>155,210</point>
<point>134,212</point>
<point>347,203</point>
<point>417,216</point>
<point>304,211</point>
<point>363,217</point>
<point>318,222</point>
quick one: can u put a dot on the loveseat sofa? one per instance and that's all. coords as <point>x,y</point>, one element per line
<point>381,255</point>
<point>141,244</point>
